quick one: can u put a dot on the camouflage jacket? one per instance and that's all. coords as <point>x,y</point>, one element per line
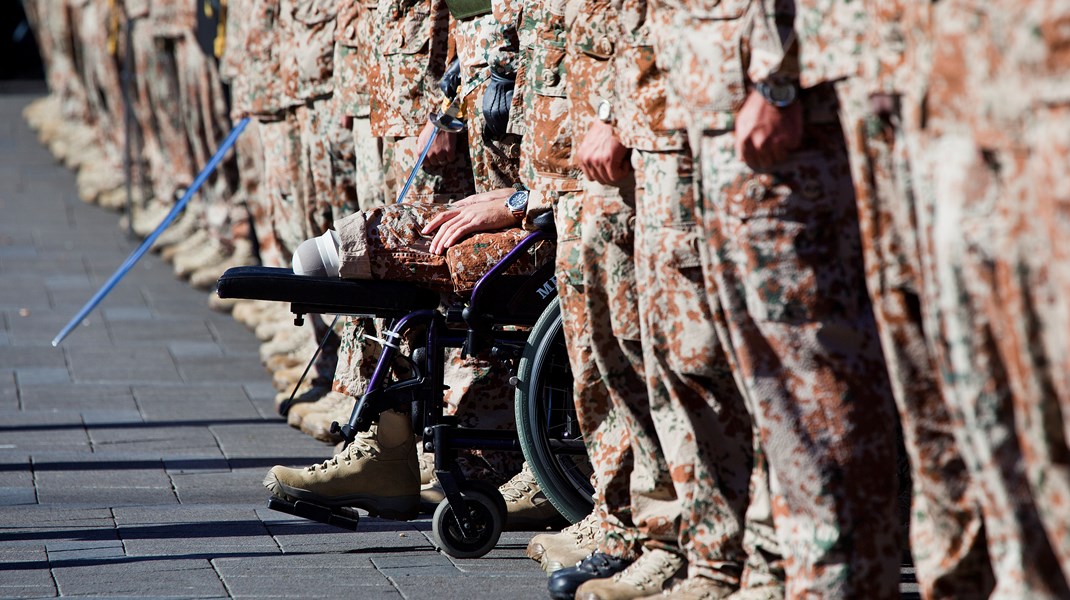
<point>546,162</point>
<point>307,46</point>
<point>590,45</point>
<point>354,55</point>
<point>487,42</point>
<point>410,57</point>
<point>258,89</point>
<point>640,96</point>
<point>994,64</point>
<point>703,52</point>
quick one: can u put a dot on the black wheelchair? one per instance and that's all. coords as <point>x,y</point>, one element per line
<point>514,317</point>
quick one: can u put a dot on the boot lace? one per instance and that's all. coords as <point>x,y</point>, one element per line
<point>650,571</point>
<point>520,486</point>
<point>359,448</point>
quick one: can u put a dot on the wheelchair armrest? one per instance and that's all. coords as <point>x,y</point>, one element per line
<point>330,295</point>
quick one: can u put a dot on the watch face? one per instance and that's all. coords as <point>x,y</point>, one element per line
<point>518,200</point>
<point>605,111</point>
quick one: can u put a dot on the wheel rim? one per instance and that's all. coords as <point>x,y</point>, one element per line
<point>554,413</point>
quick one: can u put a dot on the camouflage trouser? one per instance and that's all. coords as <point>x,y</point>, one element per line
<point>606,438</point>
<point>946,527</point>
<point>142,50</point>
<point>62,73</point>
<point>326,163</point>
<point>368,165</point>
<point>205,115</point>
<point>281,177</point>
<point>252,169</point>
<point>100,76</point>
<point>703,431</point>
<point>172,168</point>
<point>979,288</point>
<point>650,515</point>
<point>1045,424</point>
<point>387,243</point>
<point>783,259</point>
<point>452,181</point>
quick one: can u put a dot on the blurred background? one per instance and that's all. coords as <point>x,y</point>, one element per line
<point>18,49</point>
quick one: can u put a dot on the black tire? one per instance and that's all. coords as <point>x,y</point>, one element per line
<point>546,419</point>
<point>488,518</point>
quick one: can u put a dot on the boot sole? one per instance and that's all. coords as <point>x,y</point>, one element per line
<point>402,508</point>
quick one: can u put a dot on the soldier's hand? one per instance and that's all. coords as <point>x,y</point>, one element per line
<point>474,214</point>
<point>442,150</point>
<point>767,135</point>
<point>601,156</point>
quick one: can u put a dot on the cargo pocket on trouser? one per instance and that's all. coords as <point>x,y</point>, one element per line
<point>789,234</point>
<point>679,315</point>
<point>608,254</point>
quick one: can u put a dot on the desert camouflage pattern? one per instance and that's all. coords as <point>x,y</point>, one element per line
<point>485,43</point>
<point>258,89</point>
<point>440,184</point>
<point>605,433</point>
<point>495,164</point>
<point>641,98</point>
<point>411,43</point>
<point>946,527</point>
<point>354,56</point>
<point>307,29</point>
<point>992,205</point>
<point>546,162</point>
<point>369,173</point>
<point>172,18</point>
<point>280,139</point>
<point>386,243</point>
<point>157,113</point>
<point>53,29</point>
<point>327,163</point>
<point>781,255</point>
<point>703,431</point>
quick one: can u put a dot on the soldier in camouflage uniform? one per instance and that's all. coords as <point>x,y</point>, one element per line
<point>547,169</point>
<point>994,125</point>
<point>783,270</point>
<point>880,110</point>
<point>602,262</point>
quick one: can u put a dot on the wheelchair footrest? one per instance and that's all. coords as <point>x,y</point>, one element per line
<point>338,516</point>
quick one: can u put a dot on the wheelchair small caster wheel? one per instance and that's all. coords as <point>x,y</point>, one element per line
<point>485,520</point>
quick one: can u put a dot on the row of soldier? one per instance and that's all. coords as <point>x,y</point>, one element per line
<point>780,224</point>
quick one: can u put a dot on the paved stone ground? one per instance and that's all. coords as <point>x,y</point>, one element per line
<point>131,456</point>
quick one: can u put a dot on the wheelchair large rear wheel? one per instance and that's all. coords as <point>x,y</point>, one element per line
<point>546,419</point>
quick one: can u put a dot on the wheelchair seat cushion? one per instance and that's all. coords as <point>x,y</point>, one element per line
<point>329,295</point>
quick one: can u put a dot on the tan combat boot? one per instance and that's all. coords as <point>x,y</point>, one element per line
<point>377,473</point>
<point>555,551</point>
<point>528,508</point>
<point>654,571</point>
<point>318,423</point>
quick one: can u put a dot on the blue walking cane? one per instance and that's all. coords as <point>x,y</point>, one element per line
<point>144,247</point>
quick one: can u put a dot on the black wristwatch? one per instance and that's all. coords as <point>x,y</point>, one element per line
<point>517,203</point>
<point>778,92</point>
